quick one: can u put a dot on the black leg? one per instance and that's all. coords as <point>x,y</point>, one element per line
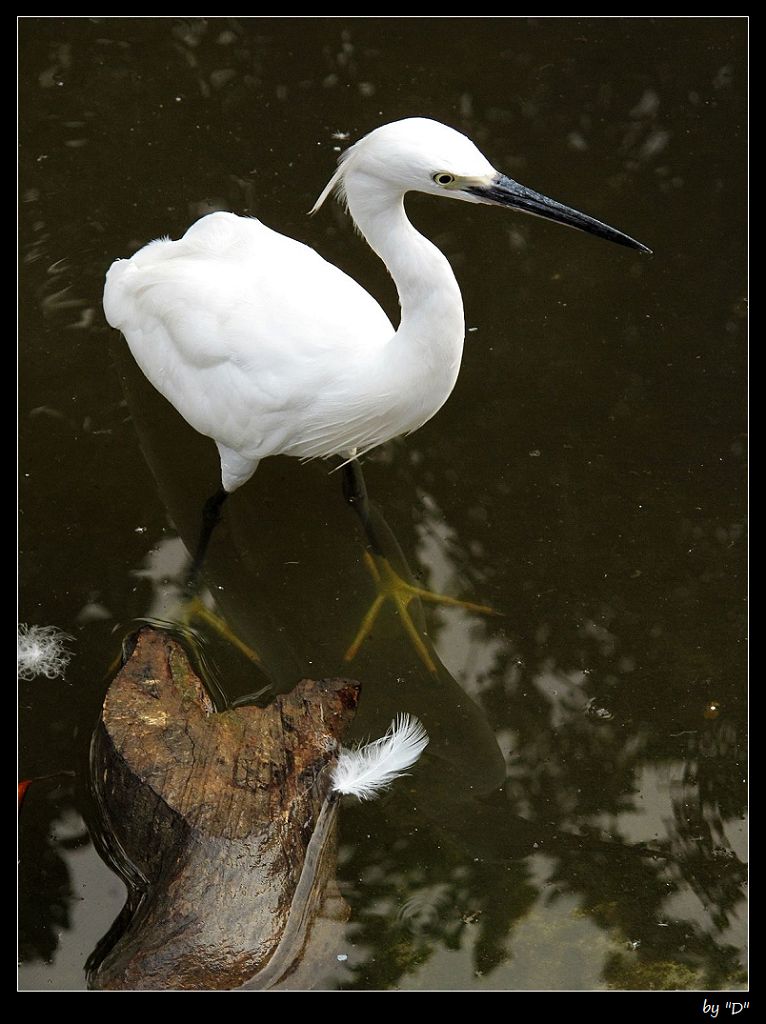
<point>211,515</point>
<point>355,493</point>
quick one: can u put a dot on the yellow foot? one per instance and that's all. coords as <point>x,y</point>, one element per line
<point>392,587</point>
<point>196,609</point>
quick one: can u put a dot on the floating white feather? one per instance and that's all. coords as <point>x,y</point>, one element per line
<point>41,651</point>
<point>369,769</point>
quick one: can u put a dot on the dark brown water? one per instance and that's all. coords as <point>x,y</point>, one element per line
<point>586,479</point>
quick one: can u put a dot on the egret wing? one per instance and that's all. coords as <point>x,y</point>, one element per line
<point>241,329</point>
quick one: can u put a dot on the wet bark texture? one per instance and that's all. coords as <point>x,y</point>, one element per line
<point>221,822</point>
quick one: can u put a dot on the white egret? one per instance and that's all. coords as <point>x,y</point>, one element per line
<point>268,349</point>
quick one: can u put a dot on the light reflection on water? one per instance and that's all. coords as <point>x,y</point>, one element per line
<point>585,479</point>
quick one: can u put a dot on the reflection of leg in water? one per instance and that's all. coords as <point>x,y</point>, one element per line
<point>389,584</point>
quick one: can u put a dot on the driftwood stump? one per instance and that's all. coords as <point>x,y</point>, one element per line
<point>221,821</point>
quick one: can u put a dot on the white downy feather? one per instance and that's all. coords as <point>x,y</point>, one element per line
<point>369,769</point>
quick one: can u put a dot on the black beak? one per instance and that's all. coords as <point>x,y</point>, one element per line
<point>507,192</point>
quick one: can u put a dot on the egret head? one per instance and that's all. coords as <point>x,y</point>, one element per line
<point>421,155</point>
<point>413,155</point>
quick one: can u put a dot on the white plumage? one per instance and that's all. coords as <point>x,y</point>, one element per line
<point>368,770</point>
<point>268,349</point>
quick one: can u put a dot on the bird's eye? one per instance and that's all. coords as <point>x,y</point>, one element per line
<point>443,178</point>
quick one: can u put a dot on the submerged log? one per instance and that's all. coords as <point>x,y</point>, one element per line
<point>221,823</point>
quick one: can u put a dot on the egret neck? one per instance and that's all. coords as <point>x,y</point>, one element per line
<point>429,341</point>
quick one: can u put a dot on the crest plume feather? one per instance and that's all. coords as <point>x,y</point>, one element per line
<point>336,181</point>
